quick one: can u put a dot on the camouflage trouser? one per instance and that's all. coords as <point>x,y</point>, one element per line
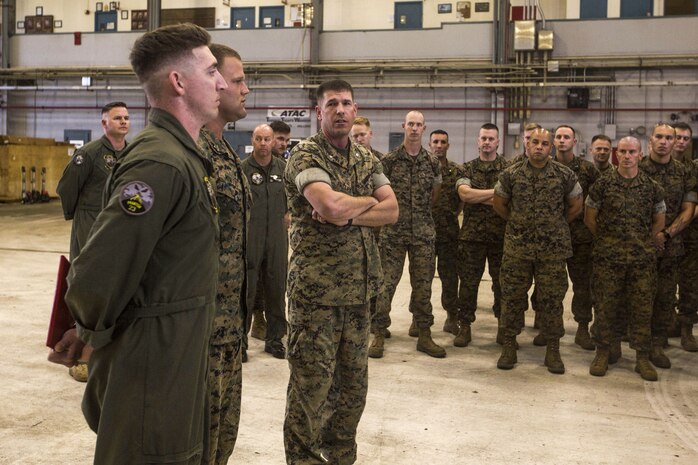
<point>579,268</point>
<point>446,264</point>
<point>623,293</point>
<point>688,285</point>
<point>421,269</point>
<point>328,358</point>
<point>224,394</point>
<point>551,285</point>
<point>471,265</point>
<point>665,298</point>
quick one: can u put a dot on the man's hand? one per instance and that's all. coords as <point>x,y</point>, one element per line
<point>320,219</point>
<point>69,350</point>
<point>659,240</point>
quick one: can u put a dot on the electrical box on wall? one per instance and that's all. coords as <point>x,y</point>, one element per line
<point>578,97</point>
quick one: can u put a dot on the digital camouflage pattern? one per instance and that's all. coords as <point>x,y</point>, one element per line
<point>678,184</point>
<point>324,255</point>
<point>334,271</point>
<point>587,174</point>
<point>328,349</point>
<point>412,179</point>
<point>688,272</point>
<point>481,238</point>
<point>537,228</point>
<point>624,272</point>
<point>81,187</point>
<point>517,159</point>
<point>421,269</point>
<point>445,214</point>
<point>225,356</point>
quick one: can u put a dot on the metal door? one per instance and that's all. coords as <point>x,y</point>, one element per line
<point>105,21</point>
<point>636,8</point>
<point>395,139</point>
<point>271,16</point>
<point>408,15</point>
<point>238,140</point>
<point>590,9</point>
<point>242,18</point>
<point>79,137</point>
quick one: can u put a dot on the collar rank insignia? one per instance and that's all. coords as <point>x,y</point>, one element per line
<point>136,198</point>
<point>211,195</point>
<point>257,178</point>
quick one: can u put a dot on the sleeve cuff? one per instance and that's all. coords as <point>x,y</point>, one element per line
<point>437,180</point>
<point>660,207</point>
<point>576,191</point>
<point>500,191</point>
<point>691,197</point>
<point>311,175</point>
<point>380,180</point>
<point>463,182</point>
<point>97,339</point>
<point>589,202</point>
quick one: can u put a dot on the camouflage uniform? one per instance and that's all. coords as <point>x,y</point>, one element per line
<point>624,271</point>
<point>333,273</point>
<point>608,169</point>
<point>517,159</point>
<point>81,185</point>
<point>412,179</point>
<point>536,243</point>
<point>481,238</point>
<point>445,214</point>
<point>678,184</point>
<point>579,264</point>
<point>688,277</point>
<point>225,348</point>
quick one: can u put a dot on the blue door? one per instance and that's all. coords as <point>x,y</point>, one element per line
<point>271,16</point>
<point>242,18</point>
<point>408,15</point>
<point>590,9</point>
<point>636,8</point>
<point>105,21</point>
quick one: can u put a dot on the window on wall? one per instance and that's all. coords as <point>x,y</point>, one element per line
<point>591,9</point>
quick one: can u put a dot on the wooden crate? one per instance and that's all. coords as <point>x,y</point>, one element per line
<point>16,152</point>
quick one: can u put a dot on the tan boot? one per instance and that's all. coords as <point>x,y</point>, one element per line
<point>582,338</point>
<point>658,357</point>
<point>427,345</point>
<point>259,325</point>
<point>376,349</point>
<point>508,358</point>
<point>599,366</point>
<point>643,366</point>
<point>413,331</point>
<point>552,357</point>
<point>688,341</point>
<point>500,337</point>
<point>615,352</point>
<point>451,324</point>
<point>464,336</point>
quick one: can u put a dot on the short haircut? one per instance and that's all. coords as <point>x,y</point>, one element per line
<point>683,126</point>
<point>336,85</point>
<point>165,45</point>
<point>220,52</point>
<point>659,125</point>
<point>532,127</point>
<point>438,131</point>
<point>574,133</point>
<point>280,127</point>
<point>362,120</point>
<point>107,108</point>
<point>601,137</point>
<point>490,127</point>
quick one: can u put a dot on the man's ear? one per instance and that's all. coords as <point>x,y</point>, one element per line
<point>175,80</point>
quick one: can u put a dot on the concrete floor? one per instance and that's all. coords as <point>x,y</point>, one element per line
<point>458,410</point>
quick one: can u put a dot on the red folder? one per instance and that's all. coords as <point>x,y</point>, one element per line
<point>61,319</point>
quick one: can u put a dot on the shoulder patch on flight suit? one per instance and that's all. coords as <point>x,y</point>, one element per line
<point>78,159</point>
<point>136,198</point>
<point>257,178</point>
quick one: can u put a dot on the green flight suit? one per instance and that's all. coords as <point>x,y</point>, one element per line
<point>142,292</point>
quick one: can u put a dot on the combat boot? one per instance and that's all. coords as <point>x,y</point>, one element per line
<point>386,333</point>
<point>552,357</point>
<point>658,357</point>
<point>451,324</point>
<point>688,341</point>
<point>615,352</point>
<point>464,336</point>
<point>259,325</point>
<point>508,358</point>
<point>500,338</point>
<point>643,366</point>
<point>413,331</point>
<point>599,366</point>
<point>376,349</point>
<point>427,345</point>
<point>540,340</point>
<point>582,338</point>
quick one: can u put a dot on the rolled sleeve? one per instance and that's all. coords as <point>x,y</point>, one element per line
<point>691,196</point>
<point>659,207</point>
<point>311,175</point>
<point>463,182</point>
<point>501,191</point>
<point>379,180</point>
<point>437,180</point>
<point>591,203</point>
<point>576,191</point>
<point>97,339</point>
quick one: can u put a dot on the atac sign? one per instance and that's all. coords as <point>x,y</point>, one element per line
<point>288,114</point>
